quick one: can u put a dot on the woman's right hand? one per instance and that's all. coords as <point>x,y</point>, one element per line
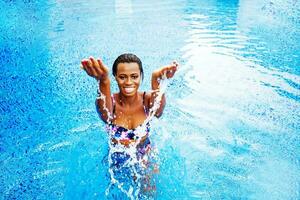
<point>95,68</point>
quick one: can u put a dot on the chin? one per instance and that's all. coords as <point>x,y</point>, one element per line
<point>129,94</point>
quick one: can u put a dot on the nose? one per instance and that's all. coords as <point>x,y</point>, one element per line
<point>128,81</point>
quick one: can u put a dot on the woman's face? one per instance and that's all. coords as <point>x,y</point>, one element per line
<point>128,78</point>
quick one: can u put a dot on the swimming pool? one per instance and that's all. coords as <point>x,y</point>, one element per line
<point>230,129</point>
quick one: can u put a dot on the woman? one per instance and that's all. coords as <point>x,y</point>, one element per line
<point>126,111</point>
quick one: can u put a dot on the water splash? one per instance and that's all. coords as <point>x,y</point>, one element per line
<point>134,165</point>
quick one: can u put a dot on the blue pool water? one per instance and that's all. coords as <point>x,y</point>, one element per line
<point>231,126</point>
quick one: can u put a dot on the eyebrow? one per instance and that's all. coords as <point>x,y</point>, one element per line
<point>129,74</point>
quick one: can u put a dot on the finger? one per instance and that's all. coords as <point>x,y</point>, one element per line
<point>171,69</point>
<point>169,74</point>
<point>100,62</point>
<point>92,67</point>
<point>163,72</point>
<point>89,68</point>
<point>81,65</point>
<point>175,64</point>
<point>84,65</point>
<point>96,69</point>
<point>102,66</point>
<point>174,68</point>
<point>84,62</point>
<point>94,62</point>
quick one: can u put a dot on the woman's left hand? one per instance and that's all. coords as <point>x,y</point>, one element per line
<point>168,71</point>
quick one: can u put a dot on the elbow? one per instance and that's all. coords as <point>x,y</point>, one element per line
<point>104,117</point>
<point>158,115</point>
<point>97,107</point>
<point>160,111</point>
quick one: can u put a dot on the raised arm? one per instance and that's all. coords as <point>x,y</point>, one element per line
<point>157,75</point>
<point>96,69</point>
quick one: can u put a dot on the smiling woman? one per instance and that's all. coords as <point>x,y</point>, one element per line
<point>127,116</point>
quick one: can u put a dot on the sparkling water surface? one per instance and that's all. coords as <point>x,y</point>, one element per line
<point>231,126</point>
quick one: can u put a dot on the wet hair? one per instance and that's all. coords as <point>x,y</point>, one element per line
<point>127,58</point>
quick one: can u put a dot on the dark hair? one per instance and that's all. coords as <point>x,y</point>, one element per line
<point>127,58</point>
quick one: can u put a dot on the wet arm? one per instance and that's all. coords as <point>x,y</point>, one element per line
<point>156,76</point>
<point>96,69</point>
<point>167,72</point>
<point>104,102</point>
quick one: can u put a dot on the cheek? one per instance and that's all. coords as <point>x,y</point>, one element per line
<point>137,82</point>
<point>119,84</point>
<point>119,81</point>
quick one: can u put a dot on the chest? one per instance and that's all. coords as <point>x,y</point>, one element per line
<point>129,118</point>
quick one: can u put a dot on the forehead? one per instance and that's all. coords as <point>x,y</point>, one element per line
<point>128,68</point>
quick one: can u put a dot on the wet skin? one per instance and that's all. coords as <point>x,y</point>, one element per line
<point>129,110</point>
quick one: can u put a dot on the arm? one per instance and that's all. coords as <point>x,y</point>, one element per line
<point>157,75</point>
<point>96,69</point>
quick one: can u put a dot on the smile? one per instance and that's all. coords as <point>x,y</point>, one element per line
<point>129,89</point>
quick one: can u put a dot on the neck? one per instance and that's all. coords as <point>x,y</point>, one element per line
<point>127,101</point>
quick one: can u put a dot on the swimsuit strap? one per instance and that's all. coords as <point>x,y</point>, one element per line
<point>114,104</point>
<point>144,97</point>
<point>145,109</point>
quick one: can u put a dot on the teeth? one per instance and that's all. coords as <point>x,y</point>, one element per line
<point>129,89</point>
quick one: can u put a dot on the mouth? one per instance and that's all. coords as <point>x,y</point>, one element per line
<point>129,89</point>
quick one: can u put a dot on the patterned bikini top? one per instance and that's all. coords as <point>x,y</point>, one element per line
<point>122,133</point>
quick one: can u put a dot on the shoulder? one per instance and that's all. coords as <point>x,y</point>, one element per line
<point>146,94</point>
<point>146,98</point>
<point>115,96</point>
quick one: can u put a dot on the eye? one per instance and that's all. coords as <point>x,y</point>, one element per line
<point>134,76</point>
<point>122,77</point>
